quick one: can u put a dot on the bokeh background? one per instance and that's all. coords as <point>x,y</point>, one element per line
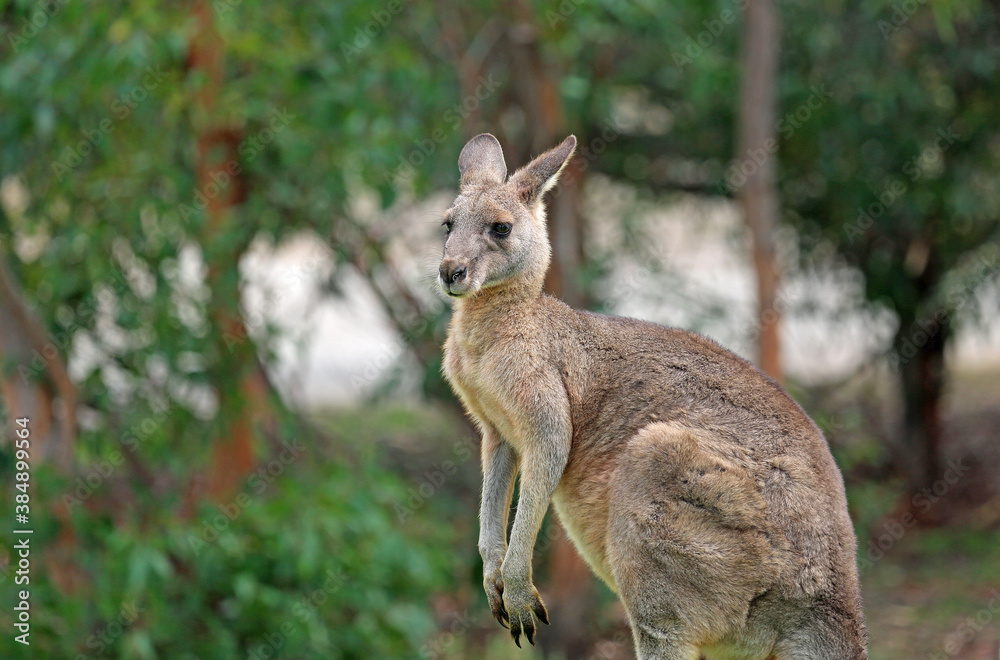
<point>219,229</point>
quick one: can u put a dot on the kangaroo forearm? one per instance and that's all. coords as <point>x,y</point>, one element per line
<point>499,472</point>
<point>541,471</point>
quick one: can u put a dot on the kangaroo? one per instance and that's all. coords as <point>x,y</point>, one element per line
<point>688,480</point>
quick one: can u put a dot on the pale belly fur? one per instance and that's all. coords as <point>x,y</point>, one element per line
<point>583,513</point>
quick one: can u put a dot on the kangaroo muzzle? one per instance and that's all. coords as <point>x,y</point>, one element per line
<point>453,276</point>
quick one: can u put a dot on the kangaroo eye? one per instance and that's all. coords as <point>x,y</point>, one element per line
<point>501,228</point>
<point>447,226</point>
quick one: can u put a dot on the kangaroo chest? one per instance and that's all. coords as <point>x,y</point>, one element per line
<point>493,385</point>
<point>476,387</point>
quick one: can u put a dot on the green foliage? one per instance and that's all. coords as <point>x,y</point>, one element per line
<point>887,139</point>
<point>897,170</point>
<point>103,140</point>
<point>314,564</point>
<point>100,136</point>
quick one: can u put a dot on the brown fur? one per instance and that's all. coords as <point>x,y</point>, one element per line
<point>691,483</point>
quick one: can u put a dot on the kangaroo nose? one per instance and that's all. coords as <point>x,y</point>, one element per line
<point>450,274</point>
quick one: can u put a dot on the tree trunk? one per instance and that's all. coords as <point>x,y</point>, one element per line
<point>919,346</point>
<point>571,588</point>
<point>36,386</point>
<point>921,374</point>
<point>234,452</point>
<point>566,234</point>
<point>538,94</point>
<point>756,160</point>
<point>569,593</point>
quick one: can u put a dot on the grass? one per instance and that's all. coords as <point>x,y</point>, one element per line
<point>919,595</point>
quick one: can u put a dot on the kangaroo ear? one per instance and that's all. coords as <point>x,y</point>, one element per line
<point>532,180</point>
<point>482,160</point>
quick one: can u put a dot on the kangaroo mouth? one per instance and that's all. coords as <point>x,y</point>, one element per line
<point>457,290</point>
<point>463,288</point>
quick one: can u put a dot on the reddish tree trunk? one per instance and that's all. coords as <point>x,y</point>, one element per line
<point>234,453</point>
<point>758,196</point>
<point>570,587</point>
<point>37,387</point>
<point>570,593</point>
<point>566,234</point>
<point>538,94</point>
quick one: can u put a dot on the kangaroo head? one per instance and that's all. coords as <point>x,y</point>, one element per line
<point>496,227</point>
